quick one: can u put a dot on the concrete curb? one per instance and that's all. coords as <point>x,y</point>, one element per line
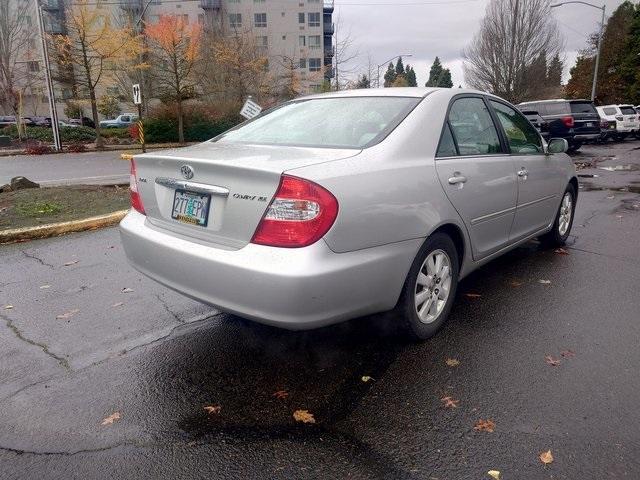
<point>62,228</point>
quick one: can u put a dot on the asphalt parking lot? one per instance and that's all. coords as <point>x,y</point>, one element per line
<point>104,374</point>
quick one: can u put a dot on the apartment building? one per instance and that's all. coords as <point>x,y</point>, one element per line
<point>298,32</point>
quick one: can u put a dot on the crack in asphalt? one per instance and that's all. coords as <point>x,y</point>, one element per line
<point>43,346</point>
<point>165,305</point>
<point>37,259</point>
<point>18,451</point>
<point>624,259</point>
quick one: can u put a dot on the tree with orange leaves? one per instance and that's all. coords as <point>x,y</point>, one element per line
<point>174,47</point>
<point>93,48</point>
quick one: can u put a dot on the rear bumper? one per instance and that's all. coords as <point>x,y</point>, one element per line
<point>586,136</point>
<point>291,288</point>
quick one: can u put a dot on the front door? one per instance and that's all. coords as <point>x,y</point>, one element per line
<point>540,176</point>
<point>477,175</point>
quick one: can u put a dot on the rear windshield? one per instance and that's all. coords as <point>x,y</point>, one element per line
<point>628,110</point>
<point>352,122</point>
<point>556,108</point>
<point>582,107</point>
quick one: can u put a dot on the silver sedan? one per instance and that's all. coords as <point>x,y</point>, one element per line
<point>344,204</point>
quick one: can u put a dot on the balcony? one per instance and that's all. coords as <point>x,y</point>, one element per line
<point>131,5</point>
<point>328,6</point>
<point>210,4</point>
<point>328,28</point>
<point>329,51</point>
<point>51,5</point>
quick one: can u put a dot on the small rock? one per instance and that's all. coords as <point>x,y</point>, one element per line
<point>21,183</point>
<point>5,188</point>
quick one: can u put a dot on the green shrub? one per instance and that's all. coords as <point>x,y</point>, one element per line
<point>160,130</point>
<point>114,132</point>
<point>44,134</point>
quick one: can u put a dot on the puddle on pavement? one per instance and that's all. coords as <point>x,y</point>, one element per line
<point>621,168</point>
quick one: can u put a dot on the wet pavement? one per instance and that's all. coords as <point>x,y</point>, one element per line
<point>125,345</point>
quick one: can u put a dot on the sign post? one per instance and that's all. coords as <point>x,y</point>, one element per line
<point>250,109</point>
<point>137,100</point>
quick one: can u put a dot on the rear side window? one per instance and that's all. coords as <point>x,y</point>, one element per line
<point>473,128</point>
<point>582,107</point>
<point>609,111</point>
<point>627,110</point>
<point>447,147</point>
<point>522,136</point>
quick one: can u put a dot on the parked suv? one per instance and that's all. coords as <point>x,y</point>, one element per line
<point>577,121</point>
<point>123,120</point>
<point>540,123</point>
<point>625,116</point>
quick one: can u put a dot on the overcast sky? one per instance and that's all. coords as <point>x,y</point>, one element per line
<point>426,28</point>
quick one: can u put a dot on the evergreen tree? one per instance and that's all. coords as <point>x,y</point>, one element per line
<point>554,72</point>
<point>400,81</point>
<point>412,81</point>
<point>434,73</point>
<point>363,82</point>
<point>399,67</point>
<point>445,80</point>
<point>390,75</point>
<point>630,64</point>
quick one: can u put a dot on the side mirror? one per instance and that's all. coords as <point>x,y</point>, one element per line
<point>557,145</point>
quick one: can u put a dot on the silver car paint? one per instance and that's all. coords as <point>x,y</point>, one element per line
<point>392,197</point>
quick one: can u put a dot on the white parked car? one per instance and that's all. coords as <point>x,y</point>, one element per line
<point>626,118</point>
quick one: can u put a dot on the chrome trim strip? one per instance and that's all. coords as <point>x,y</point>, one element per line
<point>543,199</point>
<point>490,216</point>
<point>193,186</point>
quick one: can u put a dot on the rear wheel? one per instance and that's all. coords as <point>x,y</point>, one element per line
<point>561,229</point>
<point>430,288</point>
<point>574,146</point>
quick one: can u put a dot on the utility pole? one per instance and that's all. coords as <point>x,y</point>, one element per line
<point>55,126</point>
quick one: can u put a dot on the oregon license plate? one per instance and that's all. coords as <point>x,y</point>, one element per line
<point>191,207</point>
<point>589,124</point>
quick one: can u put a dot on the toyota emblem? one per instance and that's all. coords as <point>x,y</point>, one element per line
<point>187,172</point>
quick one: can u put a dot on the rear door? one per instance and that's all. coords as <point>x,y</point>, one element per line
<point>539,176</point>
<point>477,174</point>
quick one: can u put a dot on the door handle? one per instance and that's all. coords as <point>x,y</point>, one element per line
<point>457,178</point>
<point>523,173</point>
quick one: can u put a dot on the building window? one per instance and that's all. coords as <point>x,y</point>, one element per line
<point>314,41</point>
<point>33,66</point>
<point>302,41</point>
<point>315,65</point>
<point>314,19</point>
<point>258,1</point>
<point>301,18</point>
<point>303,63</point>
<point>262,42</point>
<point>235,20</point>
<point>259,19</point>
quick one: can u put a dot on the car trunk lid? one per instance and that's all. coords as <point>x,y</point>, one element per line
<point>239,179</point>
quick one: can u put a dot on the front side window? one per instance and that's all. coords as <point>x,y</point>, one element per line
<point>473,127</point>
<point>354,122</point>
<point>521,135</point>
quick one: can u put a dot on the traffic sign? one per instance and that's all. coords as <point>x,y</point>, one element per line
<point>137,94</point>
<point>250,109</point>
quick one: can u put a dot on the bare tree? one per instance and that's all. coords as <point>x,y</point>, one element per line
<point>514,34</point>
<point>344,53</point>
<point>17,52</point>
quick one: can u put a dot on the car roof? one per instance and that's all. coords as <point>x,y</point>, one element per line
<point>556,100</point>
<point>415,92</point>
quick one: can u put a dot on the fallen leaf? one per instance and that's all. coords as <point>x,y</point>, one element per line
<point>514,284</point>
<point>546,457</point>
<point>452,362</point>
<point>8,307</point>
<point>44,287</point>
<point>281,394</point>
<point>72,262</point>
<point>450,402</point>
<point>366,378</point>
<point>495,474</point>
<point>561,251</point>
<point>554,362</point>
<point>545,282</point>
<point>212,409</point>
<point>303,416</point>
<point>484,426</point>
<point>69,314</point>
<point>127,290</point>
<point>568,353</point>
<point>111,418</point>
<point>611,197</point>
<point>472,295</point>
<point>119,304</point>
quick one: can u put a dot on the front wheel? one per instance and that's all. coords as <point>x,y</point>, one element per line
<point>559,233</point>
<point>430,288</point>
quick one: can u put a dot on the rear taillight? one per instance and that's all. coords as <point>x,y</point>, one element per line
<point>136,201</point>
<point>568,122</point>
<point>299,215</point>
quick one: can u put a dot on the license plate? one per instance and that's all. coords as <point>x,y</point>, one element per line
<point>589,124</point>
<point>191,207</point>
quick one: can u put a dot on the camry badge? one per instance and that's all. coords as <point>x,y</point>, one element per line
<point>187,171</point>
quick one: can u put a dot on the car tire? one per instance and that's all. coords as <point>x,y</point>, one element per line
<point>426,280</point>
<point>561,229</point>
<point>574,147</point>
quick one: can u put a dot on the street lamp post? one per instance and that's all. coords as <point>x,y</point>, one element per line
<point>597,65</point>
<point>384,63</point>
